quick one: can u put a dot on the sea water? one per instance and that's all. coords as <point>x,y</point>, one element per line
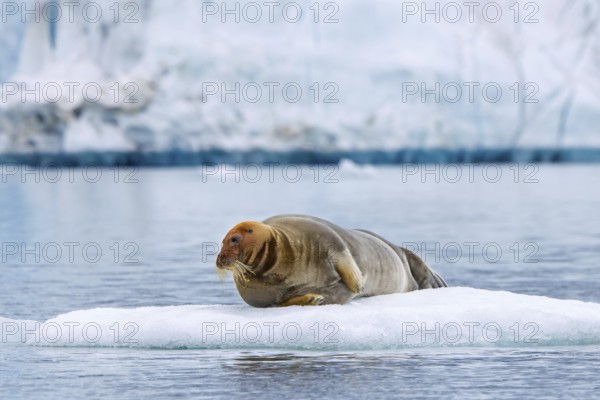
<point>108,285</point>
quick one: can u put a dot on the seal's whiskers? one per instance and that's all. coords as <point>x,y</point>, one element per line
<point>239,269</point>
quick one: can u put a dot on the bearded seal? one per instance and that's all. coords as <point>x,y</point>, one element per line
<point>302,260</point>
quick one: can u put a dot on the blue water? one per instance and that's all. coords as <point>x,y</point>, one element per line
<point>153,224</point>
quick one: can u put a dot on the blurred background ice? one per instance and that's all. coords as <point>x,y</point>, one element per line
<point>166,59</point>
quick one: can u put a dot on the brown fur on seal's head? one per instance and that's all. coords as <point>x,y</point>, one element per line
<point>245,247</point>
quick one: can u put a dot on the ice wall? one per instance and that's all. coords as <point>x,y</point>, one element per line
<point>388,75</point>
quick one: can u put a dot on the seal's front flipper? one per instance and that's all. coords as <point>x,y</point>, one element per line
<point>350,273</point>
<point>306,300</point>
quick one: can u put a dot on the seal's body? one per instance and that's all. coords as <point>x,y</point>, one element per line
<point>302,260</point>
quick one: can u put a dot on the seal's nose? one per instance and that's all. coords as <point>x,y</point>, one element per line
<point>222,261</point>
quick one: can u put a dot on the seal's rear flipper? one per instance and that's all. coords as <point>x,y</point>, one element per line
<point>426,277</point>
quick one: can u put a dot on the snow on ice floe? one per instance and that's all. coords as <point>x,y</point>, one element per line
<point>429,318</point>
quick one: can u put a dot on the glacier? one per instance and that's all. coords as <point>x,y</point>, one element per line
<point>154,79</point>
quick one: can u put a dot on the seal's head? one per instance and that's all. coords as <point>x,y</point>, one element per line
<point>244,247</point>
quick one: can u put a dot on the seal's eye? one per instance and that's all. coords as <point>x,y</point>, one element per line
<point>250,231</point>
<point>236,239</point>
